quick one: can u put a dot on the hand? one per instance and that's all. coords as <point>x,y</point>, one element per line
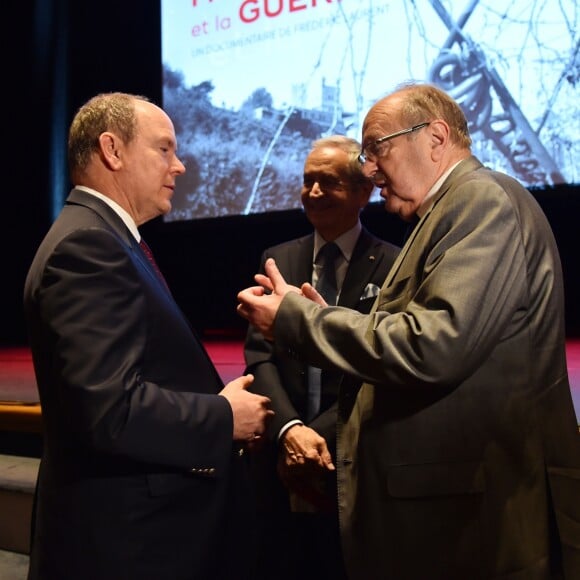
<point>303,463</point>
<point>274,281</point>
<point>260,308</point>
<point>304,446</point>
<point>250,411</point>
<point>310,292</point>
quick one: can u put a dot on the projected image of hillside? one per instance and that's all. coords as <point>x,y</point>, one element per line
<point>251,83</point>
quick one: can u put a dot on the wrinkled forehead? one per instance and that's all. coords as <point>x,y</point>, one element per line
<point>383,117</point>
<point>326,158</point>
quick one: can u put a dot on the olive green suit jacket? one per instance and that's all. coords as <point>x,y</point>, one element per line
<point>458,445</point>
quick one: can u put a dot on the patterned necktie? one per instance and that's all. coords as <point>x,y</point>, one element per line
<point>327,287</point>
<point>326,284</point>
<point>149,254</point>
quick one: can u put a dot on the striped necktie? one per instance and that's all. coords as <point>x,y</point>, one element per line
<point>149,254</point>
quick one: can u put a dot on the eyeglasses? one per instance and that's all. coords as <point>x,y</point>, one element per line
<point>371,150</point>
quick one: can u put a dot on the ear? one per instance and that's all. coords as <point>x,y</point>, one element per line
<point>110,146</point>
<point>439,132</point>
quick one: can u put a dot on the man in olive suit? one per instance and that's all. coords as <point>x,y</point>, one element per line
<point>458,447</point>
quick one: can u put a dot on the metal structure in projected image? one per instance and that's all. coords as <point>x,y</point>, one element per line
<point>462,70</point>
<point>250,85</point>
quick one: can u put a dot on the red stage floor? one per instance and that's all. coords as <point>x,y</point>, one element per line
<point>17,383</point>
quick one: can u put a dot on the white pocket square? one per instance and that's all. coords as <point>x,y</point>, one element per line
<point>370,291</point>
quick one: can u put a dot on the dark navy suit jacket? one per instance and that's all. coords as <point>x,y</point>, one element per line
<point>139,477</point>
<point>285,379</point>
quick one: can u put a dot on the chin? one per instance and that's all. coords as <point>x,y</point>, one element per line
<point>392,207</point>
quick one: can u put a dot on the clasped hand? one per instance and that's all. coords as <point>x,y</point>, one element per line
<point>259,304</point>
<point>303,464</point>
<point>250,411</point>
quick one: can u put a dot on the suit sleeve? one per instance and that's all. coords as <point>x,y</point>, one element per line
<point>261,361</point>
<point>115,395</point>
<point>453,295</point>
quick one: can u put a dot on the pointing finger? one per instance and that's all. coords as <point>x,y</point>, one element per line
<point>276,278</point>
<point>311,293</point>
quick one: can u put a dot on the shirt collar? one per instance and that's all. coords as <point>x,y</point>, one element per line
<point>422,210</point>
<point>346,242</point>
<point>123,214</point>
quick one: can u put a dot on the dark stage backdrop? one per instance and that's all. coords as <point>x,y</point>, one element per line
<point>208,261</point>
<point>67,51</point>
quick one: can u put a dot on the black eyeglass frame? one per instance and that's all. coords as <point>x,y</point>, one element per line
<point>364,157</point>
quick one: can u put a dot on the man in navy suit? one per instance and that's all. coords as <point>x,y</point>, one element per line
<point>143,470</point>
<point>299,517</point>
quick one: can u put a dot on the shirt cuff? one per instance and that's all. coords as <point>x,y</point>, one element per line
<point>287,426</point>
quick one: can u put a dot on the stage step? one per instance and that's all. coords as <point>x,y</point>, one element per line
<point>17,482</point>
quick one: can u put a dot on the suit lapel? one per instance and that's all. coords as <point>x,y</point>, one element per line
<point>298,260</point>
<point>363,263</point>
<point>80,197</point>
<point>465,166</point>
<point>296,266</point>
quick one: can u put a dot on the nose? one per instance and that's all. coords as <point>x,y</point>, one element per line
<point>368,167</point>
<point>179,166</point>
<point>316,190</point>
<point>378,179</point>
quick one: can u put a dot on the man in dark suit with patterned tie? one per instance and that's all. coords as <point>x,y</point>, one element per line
<point>143,472</point>
<point>299,516</point>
